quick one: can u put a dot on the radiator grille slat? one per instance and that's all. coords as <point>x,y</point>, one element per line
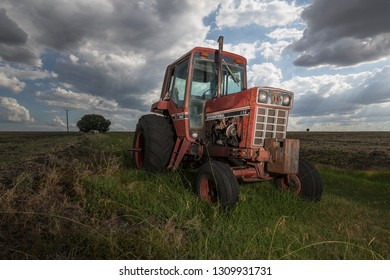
<point>270,123</point>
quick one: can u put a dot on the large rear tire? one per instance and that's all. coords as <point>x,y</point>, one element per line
<point>307,183</point>
<point>153,143</point>
<point>215,183</point>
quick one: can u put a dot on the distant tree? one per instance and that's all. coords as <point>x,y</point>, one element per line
<point>93,122</point>
<point>307,129</point>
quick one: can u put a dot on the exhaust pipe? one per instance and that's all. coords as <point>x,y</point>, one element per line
<point>220,57</point>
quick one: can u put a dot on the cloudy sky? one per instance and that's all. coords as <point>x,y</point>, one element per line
<point>109,56</point>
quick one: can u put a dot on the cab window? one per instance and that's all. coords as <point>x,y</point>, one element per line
<point>177,84</point>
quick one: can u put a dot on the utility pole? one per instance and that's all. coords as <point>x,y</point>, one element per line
<point>67,122</point>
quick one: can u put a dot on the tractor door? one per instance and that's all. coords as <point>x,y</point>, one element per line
<point>203,87</point>
<point>176,84</point>
<point>174,94</point>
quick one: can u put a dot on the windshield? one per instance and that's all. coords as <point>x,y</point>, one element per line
<point>205,79</point>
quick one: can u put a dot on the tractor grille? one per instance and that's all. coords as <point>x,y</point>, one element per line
<point>270,123</point>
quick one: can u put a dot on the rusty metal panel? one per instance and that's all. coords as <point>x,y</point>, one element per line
<point>284,155</point>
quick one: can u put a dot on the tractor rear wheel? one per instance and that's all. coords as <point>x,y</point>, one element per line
<point>307,183</point>
<point>153,143</point>
<point>216,184</point>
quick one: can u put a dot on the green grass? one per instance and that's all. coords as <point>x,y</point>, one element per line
<point>101,208</point>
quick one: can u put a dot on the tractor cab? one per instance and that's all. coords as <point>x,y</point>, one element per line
<point>204,83</point>
<point>192,81</point>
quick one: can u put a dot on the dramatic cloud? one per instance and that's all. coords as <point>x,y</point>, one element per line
<point>13,79</point>
<point>266,13</point>
<point>58,24</point>
<point>131,25</point>
<point>19,55</point>
<point>285,33</point>
<point>110,56</point>
<point>344,33</point>
<point>341,102</point>
<point>114,48</point>
<point>247,50</point>
<point>374,117</point>
<point>339,94</point>
<point>12,111</point>
<point>67,99</point>
<point>265,74</point>
<point>11,84</point>
<point>10,32</point>
<point>113,75</point>
<point>13,40</point>
<point>27,73</point>
<point>273,51</point>
<point>281,38</point>
<point>57,122</point>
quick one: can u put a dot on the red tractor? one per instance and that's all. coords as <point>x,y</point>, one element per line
<point>208,119</point>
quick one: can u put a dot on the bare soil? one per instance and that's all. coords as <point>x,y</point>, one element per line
<point>349,150</point>
<point>31,152</point>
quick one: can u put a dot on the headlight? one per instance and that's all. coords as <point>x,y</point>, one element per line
<point>286,101</point>
<point>263,97</point>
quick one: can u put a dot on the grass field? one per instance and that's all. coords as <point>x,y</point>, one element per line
<point>77,197</point>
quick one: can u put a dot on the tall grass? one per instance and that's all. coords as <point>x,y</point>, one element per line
<point>96,206</point>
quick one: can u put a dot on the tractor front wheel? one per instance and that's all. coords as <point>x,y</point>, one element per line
<point>306,183</point>
<point>215,183</point>
<point>153,143</point>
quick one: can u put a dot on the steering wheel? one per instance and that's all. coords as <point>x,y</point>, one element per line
<point>211,90</point>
